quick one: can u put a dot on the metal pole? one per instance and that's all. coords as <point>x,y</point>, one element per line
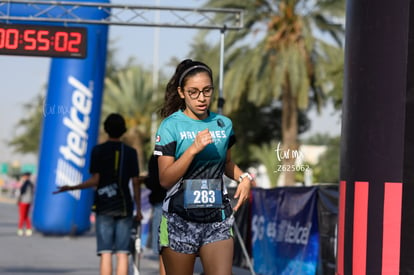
<point>155,74</point>
<point>156,48</point>
<point>243,247</point>
<point>221,76</point>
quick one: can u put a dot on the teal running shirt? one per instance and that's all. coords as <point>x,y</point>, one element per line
<point>178,131</point>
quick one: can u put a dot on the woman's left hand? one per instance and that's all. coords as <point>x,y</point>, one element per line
<point>242,192</point>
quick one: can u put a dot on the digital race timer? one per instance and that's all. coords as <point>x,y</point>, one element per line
<point>43,40</point>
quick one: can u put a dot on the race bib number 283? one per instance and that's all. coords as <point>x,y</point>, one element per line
<point>203,193</point>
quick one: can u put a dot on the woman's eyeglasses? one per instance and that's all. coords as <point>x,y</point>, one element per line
<point>194,93</point>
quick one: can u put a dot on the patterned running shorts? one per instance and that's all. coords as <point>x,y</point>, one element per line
<point>188,237</point>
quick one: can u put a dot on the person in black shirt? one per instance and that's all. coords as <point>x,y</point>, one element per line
<point>113,165</point>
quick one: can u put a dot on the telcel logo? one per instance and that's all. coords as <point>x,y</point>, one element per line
<point>76,140</point>
<point>76,146</point>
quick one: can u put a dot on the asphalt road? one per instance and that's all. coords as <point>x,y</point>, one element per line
<point>40,254</point>
<point>64,255</point>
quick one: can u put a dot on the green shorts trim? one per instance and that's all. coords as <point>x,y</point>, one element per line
<point>164,232</point>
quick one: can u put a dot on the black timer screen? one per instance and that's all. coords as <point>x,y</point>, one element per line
<point>37,40</point>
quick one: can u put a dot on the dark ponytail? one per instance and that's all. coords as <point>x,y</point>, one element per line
<point>172,101</point>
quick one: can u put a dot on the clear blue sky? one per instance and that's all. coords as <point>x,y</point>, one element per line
<point>22,78</point>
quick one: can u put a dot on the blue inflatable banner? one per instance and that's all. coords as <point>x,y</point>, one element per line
<point>284,229</point>
<point>70,130</point>
<point>71,110</point>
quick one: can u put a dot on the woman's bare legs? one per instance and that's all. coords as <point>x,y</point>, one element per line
<point>162,267</point>
<point>217,257</point>
<point>178,263</point>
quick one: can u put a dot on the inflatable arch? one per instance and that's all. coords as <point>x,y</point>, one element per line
<point>70,129</point>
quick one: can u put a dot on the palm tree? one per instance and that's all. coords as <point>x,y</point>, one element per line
<point>130,93</point>
<point>282,55</point>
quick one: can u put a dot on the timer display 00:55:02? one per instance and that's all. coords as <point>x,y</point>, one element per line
<point>36,40</point>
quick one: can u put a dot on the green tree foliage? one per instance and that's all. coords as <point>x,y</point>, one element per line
<point>130,92</point>
<point>26,139</point>
<point>327,169</point>
<point>280,55</point>
<point>259,126</point>
<point>266,155</point>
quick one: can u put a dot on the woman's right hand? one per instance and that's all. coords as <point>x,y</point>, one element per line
<point>202,139</point>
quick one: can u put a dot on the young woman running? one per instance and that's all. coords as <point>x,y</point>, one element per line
<point>193,147</point>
